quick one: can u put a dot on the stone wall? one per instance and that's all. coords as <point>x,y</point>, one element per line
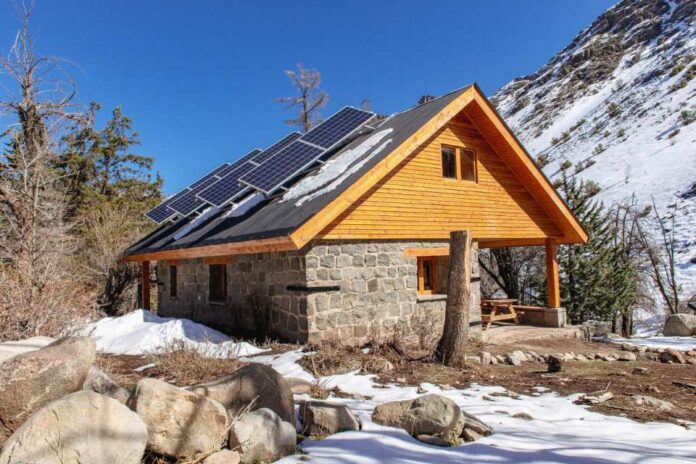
<point>378,295</point>
<point>349,291</point>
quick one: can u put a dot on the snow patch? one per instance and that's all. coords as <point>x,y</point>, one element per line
<point>143,332</point>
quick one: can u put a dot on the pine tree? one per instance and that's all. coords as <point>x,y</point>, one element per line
<point>598,279</point>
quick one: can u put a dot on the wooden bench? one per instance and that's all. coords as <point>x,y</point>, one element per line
<point>498,310</point>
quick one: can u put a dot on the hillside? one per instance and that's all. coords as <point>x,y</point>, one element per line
<point>619,104</point>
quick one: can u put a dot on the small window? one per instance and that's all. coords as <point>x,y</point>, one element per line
<point>172,281</point>
<point>449,163</point>
<point>427,275</point>
<point>217,285</point>
<point>468,165</point>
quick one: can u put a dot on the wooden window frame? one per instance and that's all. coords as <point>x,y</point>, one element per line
<point>421,275</point>
<point>173,284</point>
<point>444,147</point>
<point>211,299</point>
<point>458,155</point>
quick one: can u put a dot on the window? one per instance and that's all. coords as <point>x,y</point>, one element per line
<point>468,165</point>
<point>172,281</point>
<point>427,275</point>
<point>217,285</point>
<point>459,163</point>
<point>449,163</point>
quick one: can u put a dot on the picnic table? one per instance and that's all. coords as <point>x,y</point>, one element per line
<point>500,309</point>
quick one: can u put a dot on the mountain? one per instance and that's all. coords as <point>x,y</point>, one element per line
<point>619,104</point>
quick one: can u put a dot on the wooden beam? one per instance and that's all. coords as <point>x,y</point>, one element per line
<point>236,248</point>
<point>145,284</point>
<point>553,282</point>
<point>439,251</point>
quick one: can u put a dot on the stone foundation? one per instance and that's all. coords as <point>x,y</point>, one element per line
<point>351,292</point>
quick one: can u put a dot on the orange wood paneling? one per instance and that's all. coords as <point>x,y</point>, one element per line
<point>414,201</point>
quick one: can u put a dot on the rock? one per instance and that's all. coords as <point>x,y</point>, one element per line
<point>180,423</point>
<point>652,403</point>
<point>299,386</point>
<point>473,423</point>
<point>640,370</point>
<point>523,416</point>
<point>680,325</point>
<point>257,383</point>
<point>486,358</point>
<point>597,397</point>
<point>98,382</point>
<point>470,435</point>
<point>262,436</point>
<point>80,428</point>
<point>627,356</point>
<point>428,414</point>
<point>322,418</point>
<point>554,364</point>
<point>515,358</point>
<point>437,441</point>
<point>9,350</point>
<point>223,457</point>
<point>581,358</point>
<point>691,353</point>
<point>606,357</point>
<point>691,360</point>
<point>500,358</point>
<point>31,380</point>
<point>672,356</point>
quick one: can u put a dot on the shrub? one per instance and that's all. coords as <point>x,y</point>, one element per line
<point>613,110</point>
<point>543,160</point>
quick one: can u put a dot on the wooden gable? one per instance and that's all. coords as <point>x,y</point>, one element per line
<point>415,201</point>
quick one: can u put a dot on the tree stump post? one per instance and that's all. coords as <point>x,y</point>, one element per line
<point>452,346</point>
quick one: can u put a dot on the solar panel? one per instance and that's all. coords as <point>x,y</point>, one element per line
<point>224,190</point>
<point>283,166</point>
<point>160,213</point>
<point>276,147</point>
<point>210,175</point>
<point>239,162</point>
<point>337,127</point>
<point>189,202</point>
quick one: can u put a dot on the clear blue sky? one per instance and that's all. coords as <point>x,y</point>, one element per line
<point>199,78</point>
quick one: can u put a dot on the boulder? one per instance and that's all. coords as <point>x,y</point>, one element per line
<point>97,381</point>
<point>486,358</point>
<point>262,436</point>
<point>516,358</point>
<point>474,428</point>
<point>322,418</point>
<point>436,441</point>
<point>672,356</point>
<point>299,386</point>
<point>523,416</point>
<point>223,457</point>
<point>426,415</point>
<point>80,428</point>
<point>256,384</point>
<point>554,363</point>
<point>180,423</point>
<point>11,349</point>
<point>652,403</point>
<point>31,380</point>
<point>680,325</point>
<point>627,356</point>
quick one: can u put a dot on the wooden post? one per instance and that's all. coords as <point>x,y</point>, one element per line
<point>452,346</point>
<point>554,290</point>
<point>145,283</point>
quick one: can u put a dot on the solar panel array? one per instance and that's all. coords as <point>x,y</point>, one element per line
<point>265,170</point>
<point>306,150</point>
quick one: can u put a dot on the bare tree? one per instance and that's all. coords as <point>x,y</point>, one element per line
<point>35,245</point>
<point>661,256</point>
<point>452,346</point>
<point>309,100</point>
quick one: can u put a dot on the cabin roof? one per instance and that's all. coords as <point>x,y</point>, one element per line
<point>289,219</point>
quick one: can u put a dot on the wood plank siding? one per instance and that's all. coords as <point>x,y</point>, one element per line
<point>415,201</point>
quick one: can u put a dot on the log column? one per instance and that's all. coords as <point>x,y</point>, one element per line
<point>145,284</point>
<point>554,290</point>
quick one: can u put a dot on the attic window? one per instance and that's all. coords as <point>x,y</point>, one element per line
<point>468,164</point>
<point>449,163</point>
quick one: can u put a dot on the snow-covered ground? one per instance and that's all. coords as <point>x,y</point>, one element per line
<point>657,341</point>
<point>560,431</point>
<point>144,332</point>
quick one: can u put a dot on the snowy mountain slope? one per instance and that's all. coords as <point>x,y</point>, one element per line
<point>619,103</point>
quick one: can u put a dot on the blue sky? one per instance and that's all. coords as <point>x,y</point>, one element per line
<point>199,78</point>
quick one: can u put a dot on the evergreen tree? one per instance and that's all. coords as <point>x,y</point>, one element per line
<point>598,279</point>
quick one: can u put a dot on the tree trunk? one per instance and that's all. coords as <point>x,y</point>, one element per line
<point>452,346</point>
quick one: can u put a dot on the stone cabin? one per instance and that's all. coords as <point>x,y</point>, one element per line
<point>352,243</point>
